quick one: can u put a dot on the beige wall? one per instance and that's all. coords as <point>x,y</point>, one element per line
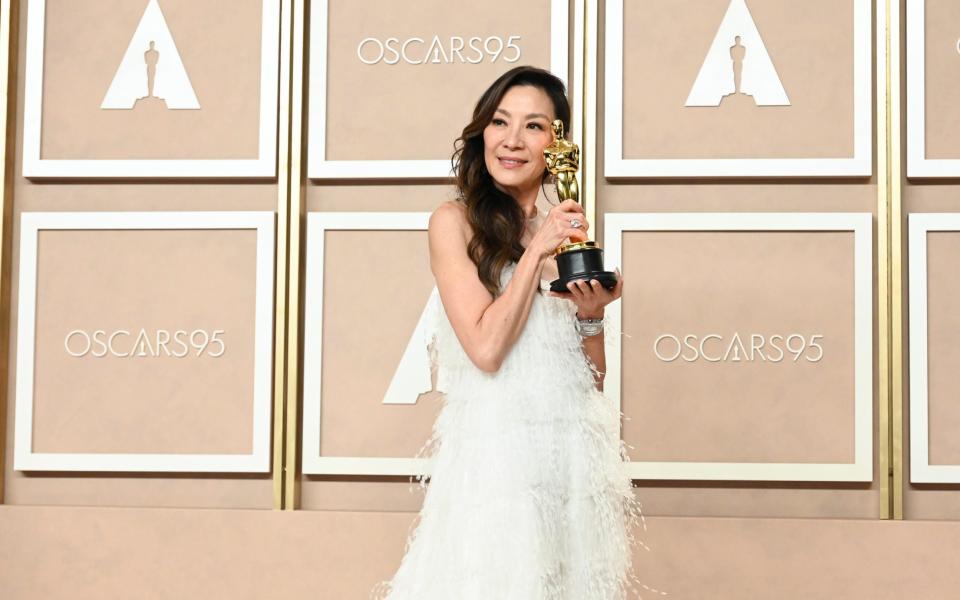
<point>811,64</point>
<point>935,501</point>
<point>146,489</point>
<point>738,195</point>
<point>154,403</point>
<point>380,303</point>
<point>80,64</point>
<point>808,42</point>
<point>402,111</point>
<point>81,553</point>
<point>736,285</point>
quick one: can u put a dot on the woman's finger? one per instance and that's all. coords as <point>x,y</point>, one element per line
<point>600,294</point>
<point>584,288</point>
<point>569,206</point>
<point>618,288</point>
<point>596,287</point>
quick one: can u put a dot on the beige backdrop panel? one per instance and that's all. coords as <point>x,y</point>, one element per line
<point>118,489</point>
<point>405,111</point>
<point>749,499</point>
<point>376,284</point>
<point>936,501</point>
<point>942,58</point>
<point>811,46</point>
<point>220,50</point>
<point>377,493</point>
<point>745,408</point>
<point>943,351</point>
<point>151,280</point>
<point>300,555</point>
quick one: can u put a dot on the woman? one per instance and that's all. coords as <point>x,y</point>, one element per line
<point>528,498</point>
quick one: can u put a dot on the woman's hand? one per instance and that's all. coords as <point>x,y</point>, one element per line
<point>559,226</point>
<point>591,297</point>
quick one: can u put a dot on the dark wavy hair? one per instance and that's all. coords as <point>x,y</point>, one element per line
<point>495,217</point>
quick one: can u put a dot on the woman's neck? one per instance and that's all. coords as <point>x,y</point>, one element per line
<point>527,199</point>
<point>529,208</point>
<point>528,202</point>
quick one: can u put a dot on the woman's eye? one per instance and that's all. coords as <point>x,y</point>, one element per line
<point>499,122</point>
<point>535,126</point>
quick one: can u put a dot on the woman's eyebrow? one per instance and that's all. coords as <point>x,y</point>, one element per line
<point>530,116</point>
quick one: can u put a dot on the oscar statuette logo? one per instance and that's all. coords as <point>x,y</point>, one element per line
<point>579,260</point>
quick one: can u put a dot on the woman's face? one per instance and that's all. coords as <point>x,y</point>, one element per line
<point>514,139</point>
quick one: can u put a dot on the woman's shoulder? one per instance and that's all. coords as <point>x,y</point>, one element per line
<point>450,216</point>
<point>451,209</point>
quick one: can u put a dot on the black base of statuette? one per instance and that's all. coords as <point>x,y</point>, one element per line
<point>581,262</point>
<point>606,279</point>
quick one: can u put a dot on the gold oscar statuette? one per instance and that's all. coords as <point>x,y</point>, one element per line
<point>579,260</point>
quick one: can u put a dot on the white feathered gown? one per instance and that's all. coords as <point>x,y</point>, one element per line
<point>528,497</point>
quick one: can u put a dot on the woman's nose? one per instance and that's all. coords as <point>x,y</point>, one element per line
<point>513,139</point>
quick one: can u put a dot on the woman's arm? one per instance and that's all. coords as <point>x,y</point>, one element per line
<point>593,348</point>
<point>486,327</point>
<point>591,298</point>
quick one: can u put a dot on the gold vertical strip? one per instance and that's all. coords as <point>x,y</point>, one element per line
<point>291,479</point>
<point>281,273</point>
<point>883,257</point>
<point>9,19</point>
<point>589,109</point>
<point>895,121</point>
<point>575,90</point>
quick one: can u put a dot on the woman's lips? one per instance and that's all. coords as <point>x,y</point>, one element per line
<point>511,163</point>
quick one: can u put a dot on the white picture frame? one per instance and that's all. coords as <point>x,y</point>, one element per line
<point>921,471</point>
<point>859,165</point>
<point>861,224</point>
<point>263,166</point>
<point>918,165</point>
<point>258,460</point>
<point>319,167</point>
<point>318,223</point>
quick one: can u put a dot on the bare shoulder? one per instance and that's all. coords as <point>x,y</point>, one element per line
<point>453,269</point>
<point>449,219</point>
<point>449,212</point>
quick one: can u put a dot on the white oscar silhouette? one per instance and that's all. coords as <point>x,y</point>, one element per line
<point>414,373</point>
<point>151,68</point>
<point>737,63</point>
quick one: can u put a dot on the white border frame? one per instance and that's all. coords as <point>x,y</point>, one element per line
<point>318,223</point>
<point>318,167</point>
<point>918,165</point>
<point>921,471</point>
<point>258,461</point>
<point>860,165</point>
<point>861,224</point>
<point>264,166</point>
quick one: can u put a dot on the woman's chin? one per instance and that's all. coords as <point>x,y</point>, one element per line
<point>513,183</point>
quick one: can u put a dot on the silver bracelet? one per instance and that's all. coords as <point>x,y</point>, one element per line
<point>589,327</point>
